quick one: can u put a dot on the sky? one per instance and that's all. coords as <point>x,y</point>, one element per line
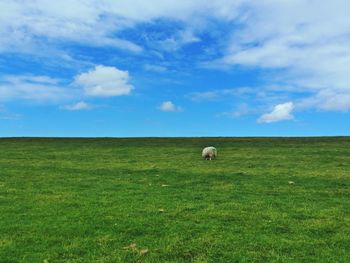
<point>104,68</point>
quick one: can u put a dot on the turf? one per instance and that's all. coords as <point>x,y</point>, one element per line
<point>156,200</point>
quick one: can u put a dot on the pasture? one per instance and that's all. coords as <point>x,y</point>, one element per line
<point>157,200</point>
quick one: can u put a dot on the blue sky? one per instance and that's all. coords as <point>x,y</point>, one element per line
<point>174,68</point>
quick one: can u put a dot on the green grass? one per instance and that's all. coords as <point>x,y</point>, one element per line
<point>88,200</point>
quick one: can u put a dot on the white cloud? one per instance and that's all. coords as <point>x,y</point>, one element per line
<point>81,105</point>
<point>5,114</point>
<point>169,106</point>
<point>279,113</point>
<point>104,81</point>
<point>97,22</point>
<point>88,22</point>
<point>34,88</point>
<point>205,95</point>
<point>155,68</point>
<point>222,93</point>
<point>100,82</point>
<point>327,100</point>
<point>305,40</point>
<point>177,41</point>
<point>241,110</point>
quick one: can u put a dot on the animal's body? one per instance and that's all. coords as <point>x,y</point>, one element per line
<point>209,153</point>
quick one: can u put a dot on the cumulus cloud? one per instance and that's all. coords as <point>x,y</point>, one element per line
<point>104,81</point>
<point>81,105</point>
<point>169,106</point>
<point>101,81</point>
<point>280,112</point>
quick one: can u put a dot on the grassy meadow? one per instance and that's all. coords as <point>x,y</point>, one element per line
<point>156,200</point>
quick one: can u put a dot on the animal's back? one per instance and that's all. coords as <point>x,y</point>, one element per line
<point>209,152</point>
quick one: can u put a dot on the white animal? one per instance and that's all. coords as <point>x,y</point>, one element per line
<point>209,153</point>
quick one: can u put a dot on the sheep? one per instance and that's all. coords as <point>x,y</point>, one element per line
<point>209,153</point>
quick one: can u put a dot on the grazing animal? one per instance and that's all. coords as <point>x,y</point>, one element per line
<point>209,153</point>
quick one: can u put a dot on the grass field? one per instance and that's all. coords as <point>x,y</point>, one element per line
<point>156,200</point>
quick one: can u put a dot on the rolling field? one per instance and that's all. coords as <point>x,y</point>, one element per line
<point>156,200</point>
